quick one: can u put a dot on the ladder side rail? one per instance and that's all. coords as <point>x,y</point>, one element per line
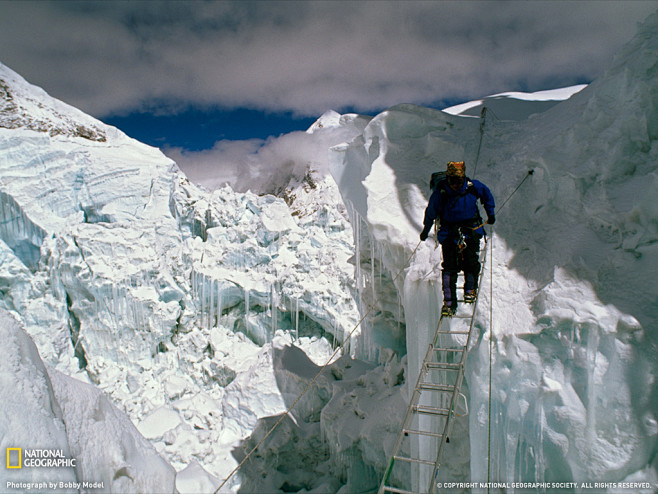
<point>459,380</point>
<point>409,415</point>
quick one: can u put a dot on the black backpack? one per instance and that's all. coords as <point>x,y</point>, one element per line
<point>435,179</point>
<point>438,181</point>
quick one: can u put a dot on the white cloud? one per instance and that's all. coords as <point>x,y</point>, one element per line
<point>107,57</point>
<point>262,166</point>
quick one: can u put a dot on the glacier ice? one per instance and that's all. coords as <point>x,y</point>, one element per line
<point>165,296</point>
<point>54,411</point>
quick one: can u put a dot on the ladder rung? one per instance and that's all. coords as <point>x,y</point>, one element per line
<point>397,491</point>
<point>431,410</point>
<point>422,433</point>
<point>452,332</point>
<point>456,350</point>
<point>442,365</point>
<point>448,388</point>
<point>414,460</point>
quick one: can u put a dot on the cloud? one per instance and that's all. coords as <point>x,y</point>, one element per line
<point>262,165</point>
<point>306,57</point>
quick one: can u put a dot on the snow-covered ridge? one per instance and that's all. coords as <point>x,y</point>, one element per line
<point>515,105</point>
<point>23,107</point>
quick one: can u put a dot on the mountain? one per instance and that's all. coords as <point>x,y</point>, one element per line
<point>176,326</point>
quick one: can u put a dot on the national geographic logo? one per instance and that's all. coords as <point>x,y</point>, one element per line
<point>14,458</point>
<point>38,458</point>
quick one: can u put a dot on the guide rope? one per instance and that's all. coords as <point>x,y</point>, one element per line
<point>530,172</point>
<point>310,384</point>
<point>490,360</point>
<point>483,116</point>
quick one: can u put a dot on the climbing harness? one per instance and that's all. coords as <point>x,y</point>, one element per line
<point>310,384</point>
<point>461,243</point>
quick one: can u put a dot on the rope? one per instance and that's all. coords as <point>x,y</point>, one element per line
<point>483,116</point>
<point>530,172</point>
<point>490,359</point>
<point>310,384</point>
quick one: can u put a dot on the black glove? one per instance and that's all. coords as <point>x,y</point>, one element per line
<point>491,219</point>
<point>423,235</point>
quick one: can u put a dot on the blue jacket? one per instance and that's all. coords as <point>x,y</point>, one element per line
<point>458,208</point>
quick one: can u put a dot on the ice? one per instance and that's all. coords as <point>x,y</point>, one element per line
<point>140,280</point>
<point>19,232</point>
<point>194,479</point>
<point>68,415</point>
<point>31,415</point>
<point>108,447</point>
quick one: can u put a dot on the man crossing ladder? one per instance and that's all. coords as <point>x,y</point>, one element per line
<point>454,203</point>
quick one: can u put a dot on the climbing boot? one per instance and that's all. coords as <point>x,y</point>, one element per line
<point>470,296</point>
<point>448,310</point>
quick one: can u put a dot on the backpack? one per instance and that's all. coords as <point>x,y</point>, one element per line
<point>435,179</point>
<point>438,180</point>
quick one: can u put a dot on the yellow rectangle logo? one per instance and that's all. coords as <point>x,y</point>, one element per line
<point>20,458</point>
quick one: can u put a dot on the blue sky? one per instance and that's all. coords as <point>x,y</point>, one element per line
<point>195,129</point>
<point>193,75</point>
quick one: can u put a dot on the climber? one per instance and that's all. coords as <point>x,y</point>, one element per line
<point>454,203</point>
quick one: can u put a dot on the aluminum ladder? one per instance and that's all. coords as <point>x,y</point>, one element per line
<point>414,464</point>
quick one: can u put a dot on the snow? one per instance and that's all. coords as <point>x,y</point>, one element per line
<point>159,330</point>
<point>31,415</point>
<point>515,105</point>
<point>45,409</point>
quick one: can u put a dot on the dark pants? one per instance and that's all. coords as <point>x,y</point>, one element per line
<point>468,260</point>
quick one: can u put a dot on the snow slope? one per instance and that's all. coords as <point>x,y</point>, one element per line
<point>574,257</point>
<point>44,409</point>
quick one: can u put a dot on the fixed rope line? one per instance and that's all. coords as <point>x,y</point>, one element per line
<point>317,376</point>
<point>530,172</point>
<point>483,116</point>
<point>490,360</point>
